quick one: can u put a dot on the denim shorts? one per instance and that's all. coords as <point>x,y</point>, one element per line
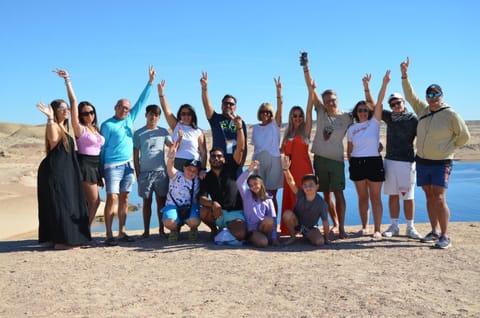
<point>152,181</point>
<point>119,178</point>
<point>170,212</point>
<point>437,175</point>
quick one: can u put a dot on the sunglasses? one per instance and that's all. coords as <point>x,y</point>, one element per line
<point>395,104</point>
<point>85,114</point>
<point>309,185</point>
<point>434,95</point>
<point>331,101</point>
<point>362,110</point>
<point>229,104</point>
<point>185,114</point>
<point>297,116</point>
<point>215,156</point>
<point>266,112</point>
<point>62,108</point>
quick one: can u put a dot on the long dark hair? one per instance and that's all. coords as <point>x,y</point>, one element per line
<point>192,111</point>
<point>83,104</point>
<point>360,103</point>
<point>55,105</point>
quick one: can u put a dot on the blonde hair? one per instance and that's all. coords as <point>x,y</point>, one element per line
<point>290,131</point>
<point>264,107</point>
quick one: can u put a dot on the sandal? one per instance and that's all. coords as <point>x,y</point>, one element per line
<point>377,236</point>
<point>111,241</point>
<point>125,238</point>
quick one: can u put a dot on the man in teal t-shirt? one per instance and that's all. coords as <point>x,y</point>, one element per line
<point>116,160</point>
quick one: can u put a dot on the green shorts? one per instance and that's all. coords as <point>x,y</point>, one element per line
<point>228,216</point>
<point>330,174</point>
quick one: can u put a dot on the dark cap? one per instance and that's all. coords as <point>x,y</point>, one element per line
<point>434,87</point>
<point>193,163</point>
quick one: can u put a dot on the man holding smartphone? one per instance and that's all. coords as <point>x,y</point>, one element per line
<point>224,130</point>
<point>328,149</point>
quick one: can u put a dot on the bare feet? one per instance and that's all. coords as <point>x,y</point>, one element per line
<point>377,236</point>
<point>363,231</point>
<point>343,235</point>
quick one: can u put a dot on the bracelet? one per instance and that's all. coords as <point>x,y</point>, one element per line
<point>285,169</point>
<point>204,89</point>
<point>367,90</point>
<point>305,71</point>
<point>239,128</point>
<point>280,97</point>
<point>404,77</point>
<point>161,96</point>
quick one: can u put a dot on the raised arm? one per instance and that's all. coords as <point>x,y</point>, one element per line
<point>309,110</point>
<point>171,119</point>
<point>77,127</point>
<point>205,99</point>
<point>53,129</point>
<point>368,95</point>
<point>381,96</point>
<point>417,104</point>
<point>240,149</point>
<point>288,175</point>
<point>278,113</point>
<point>308,81</point>
<point>171,171</point>
<point>242,179</point>
<point>142,99</point>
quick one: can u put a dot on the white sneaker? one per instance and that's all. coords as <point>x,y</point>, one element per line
<point>392,230</point>
<point>413,234</point>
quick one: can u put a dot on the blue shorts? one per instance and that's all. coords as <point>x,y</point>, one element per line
<point>437,175</point>
<point>152,181</point>
<point>228,216</point>
<point>170,212</point>
<point>119,178</point>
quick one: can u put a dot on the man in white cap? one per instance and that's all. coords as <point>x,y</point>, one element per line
<point>399,164</point>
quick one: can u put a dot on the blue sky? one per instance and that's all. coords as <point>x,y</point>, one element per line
<point>107,46</point>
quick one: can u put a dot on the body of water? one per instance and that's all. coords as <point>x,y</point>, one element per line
<point>463,197</point>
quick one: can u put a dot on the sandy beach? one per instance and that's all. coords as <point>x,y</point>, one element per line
<point>356,277</point>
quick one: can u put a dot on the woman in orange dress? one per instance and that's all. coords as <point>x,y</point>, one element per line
<point>295,146</point>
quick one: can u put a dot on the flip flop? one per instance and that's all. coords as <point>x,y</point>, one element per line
<point>111,241</point>
<point>125,238</point>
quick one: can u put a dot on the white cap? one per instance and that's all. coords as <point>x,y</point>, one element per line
<point>395,96</point>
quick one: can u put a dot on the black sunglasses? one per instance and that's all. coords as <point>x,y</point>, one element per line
<point>85,114</point>
<point>395,104</point>
<point>228,104</point>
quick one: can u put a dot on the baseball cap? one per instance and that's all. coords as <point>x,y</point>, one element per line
<point>193,163</point>
<point>394,96</point>
<point>434,87</point>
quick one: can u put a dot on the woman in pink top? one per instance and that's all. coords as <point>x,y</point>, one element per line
<point>89,143</point>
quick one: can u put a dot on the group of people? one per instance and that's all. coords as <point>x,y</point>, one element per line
<point>227,197</point>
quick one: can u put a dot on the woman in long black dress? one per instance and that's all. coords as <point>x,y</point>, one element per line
<point>62,211</point>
